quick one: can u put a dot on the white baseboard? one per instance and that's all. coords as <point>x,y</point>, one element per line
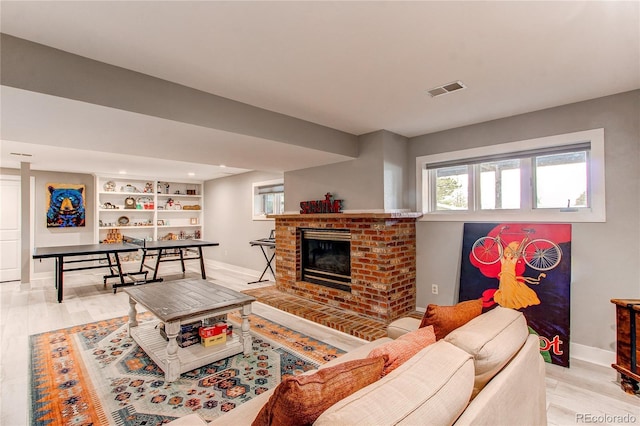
<point>593,355</point>
<point>237,269</point>
<point>42,275</point>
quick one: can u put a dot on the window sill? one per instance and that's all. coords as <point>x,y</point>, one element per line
<point>555,216</point>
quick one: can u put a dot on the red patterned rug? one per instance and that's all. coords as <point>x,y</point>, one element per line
<point>94,374</point>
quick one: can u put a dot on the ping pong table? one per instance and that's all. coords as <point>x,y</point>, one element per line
<point>110,253</point>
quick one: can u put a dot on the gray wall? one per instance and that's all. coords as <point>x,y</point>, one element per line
<point>358,182</point>
<point>228,220</point>
<point>44,236</point>
<point>605,256</point>
<point>395,159</point>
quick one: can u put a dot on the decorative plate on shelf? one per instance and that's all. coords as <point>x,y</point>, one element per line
<point>123,221</point>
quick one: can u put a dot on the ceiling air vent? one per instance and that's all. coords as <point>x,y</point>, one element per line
<point>446,88</point>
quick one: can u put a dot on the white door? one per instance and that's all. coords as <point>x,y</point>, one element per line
<point>9,228</point>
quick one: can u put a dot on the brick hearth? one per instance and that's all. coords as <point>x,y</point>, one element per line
<point>383,262</point>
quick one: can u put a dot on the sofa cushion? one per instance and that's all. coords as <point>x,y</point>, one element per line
<point>492,338</point>
<point>398,351</point>
<point>299,400</point>
<point>433,387</point>
<point>445,319</point>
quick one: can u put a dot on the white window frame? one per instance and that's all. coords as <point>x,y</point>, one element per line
<point>595,213</point>
<point>254,191</point>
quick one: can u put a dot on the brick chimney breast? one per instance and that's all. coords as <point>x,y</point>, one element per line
<point>383,261</point>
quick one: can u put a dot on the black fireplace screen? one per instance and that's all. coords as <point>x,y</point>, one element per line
<point>326,257</point>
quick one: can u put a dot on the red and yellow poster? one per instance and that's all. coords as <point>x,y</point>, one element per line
<point>527,267</point>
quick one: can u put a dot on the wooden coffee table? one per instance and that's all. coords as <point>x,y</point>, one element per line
<point>180,302</point>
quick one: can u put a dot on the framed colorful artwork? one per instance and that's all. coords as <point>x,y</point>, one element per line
<point>522,266</point>
<point>65,205</point>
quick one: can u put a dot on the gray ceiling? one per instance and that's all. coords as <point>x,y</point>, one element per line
<point>356,67</point>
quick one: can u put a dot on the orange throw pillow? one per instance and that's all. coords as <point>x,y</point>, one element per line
<point>403,348</point>
<point>299,400</point>
<point>445,319</point>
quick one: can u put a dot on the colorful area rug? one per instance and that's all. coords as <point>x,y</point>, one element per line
<point>94,374</point>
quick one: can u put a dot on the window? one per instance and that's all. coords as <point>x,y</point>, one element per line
<point>452,188</point>
<point>569,169</point>
<point>500,184</point>
<point>268,198</point>
<point>557,178</point>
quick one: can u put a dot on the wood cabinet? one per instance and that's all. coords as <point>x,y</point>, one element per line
<point>627,343</point>
<point>148,209</point>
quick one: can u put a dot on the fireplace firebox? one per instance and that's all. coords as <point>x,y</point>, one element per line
<point>326,257</point>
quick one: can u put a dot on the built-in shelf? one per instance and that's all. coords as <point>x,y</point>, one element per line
<point>152,195</point>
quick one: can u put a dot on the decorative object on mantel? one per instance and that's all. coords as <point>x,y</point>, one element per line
<point>321,206</point>
<point>628,344</point>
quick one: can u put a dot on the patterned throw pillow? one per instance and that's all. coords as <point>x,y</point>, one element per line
<point>299,400</point>
<point>403,348</point>
<point>445,319</point>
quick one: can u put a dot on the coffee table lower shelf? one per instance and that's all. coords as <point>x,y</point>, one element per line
<point>148,337</point>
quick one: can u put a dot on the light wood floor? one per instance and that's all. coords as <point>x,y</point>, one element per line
<point>574,396</point>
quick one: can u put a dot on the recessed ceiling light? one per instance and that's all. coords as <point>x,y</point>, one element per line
<point>191,174</point>
<point>222,166</point>
<point>122,172</point>
<point>446,88</point>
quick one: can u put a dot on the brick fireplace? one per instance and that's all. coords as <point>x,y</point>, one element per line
<point>382,257</point>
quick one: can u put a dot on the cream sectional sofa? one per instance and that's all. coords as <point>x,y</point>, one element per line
<point>487,372</point>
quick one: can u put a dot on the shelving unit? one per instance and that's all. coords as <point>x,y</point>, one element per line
<point>161,209</point>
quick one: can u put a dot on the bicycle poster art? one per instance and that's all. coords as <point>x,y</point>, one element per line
<point>522,266</point>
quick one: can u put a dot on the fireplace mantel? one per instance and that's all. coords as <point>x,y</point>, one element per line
<point>349,215</point>
<point>383,261</point>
